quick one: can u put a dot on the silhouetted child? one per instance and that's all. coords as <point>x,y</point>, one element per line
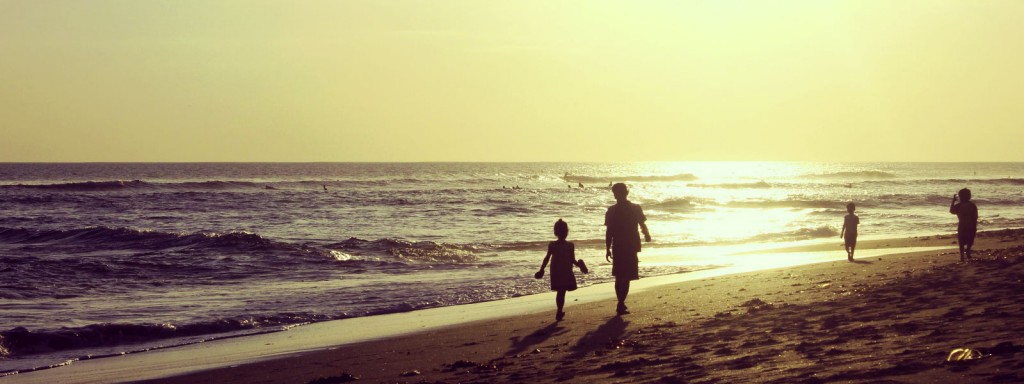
<point>849,231</point>
<point>967,222</point>
<point>562,255</point>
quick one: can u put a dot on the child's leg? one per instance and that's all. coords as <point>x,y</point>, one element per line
<point>560,299</point>
<point>970,242</point>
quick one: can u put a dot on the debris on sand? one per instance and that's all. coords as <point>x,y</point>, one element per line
<point>342,378</point>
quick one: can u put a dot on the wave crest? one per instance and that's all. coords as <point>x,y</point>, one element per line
<point>139,239</point>
<point>115,185</point>
<point>674,205</point>
<point>759,184</point>
<point>420,251</point>
<point>794,203</point>
<point>854,175</point>
<point>20,341</point>
<point>87,185</point>
<point>805,233</point>
<point>629,178</point>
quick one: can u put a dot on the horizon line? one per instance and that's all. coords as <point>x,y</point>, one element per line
<point>514,162</point>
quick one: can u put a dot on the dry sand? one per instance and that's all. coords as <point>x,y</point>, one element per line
<point>891,319</point>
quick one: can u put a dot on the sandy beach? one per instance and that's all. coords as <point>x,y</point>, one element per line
<point>892,318</point>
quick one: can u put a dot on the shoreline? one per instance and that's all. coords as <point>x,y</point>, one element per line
<point>414,331</point>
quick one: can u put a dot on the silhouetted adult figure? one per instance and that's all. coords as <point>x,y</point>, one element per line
<point>967,221</point>
<point>622,242</point>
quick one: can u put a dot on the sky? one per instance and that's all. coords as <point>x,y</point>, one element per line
<point>348,80</point>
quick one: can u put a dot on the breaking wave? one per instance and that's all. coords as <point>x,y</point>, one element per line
<point>854,175</point>
<point>790,203</point>
<point>799,234</point>
<point>420,251</point>
<point>113,185</point>
<point>229,247</point>
<point>759,184</point>
<point>210,185</point>
<point>675,205</point>
<point>629,178</point>
<point>126,238</point>
<point>20,341</point>
<point>101,260</point>
<point>1000,181</point>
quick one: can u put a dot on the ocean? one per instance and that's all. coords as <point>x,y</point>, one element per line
<point>98,259</point>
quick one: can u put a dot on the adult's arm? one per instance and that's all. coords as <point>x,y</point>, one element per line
<point>607,245</point>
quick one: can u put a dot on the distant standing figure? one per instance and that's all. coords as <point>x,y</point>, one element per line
<point>849,231</point>
<point>967,221</point>
<point>622,242</point>
<point>581,185</point>
<point>562,255</point>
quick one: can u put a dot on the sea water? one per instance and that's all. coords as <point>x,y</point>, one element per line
<point>103,258</point>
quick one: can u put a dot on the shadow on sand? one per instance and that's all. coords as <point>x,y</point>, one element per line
<point>608,333</point>
<point>521,344</point>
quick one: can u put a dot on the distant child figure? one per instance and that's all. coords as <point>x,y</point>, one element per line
<point>967,222</point>
<point>849,231</point>
<point>562,255</point>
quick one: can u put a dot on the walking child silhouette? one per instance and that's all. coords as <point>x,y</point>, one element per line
<point>562,255</point>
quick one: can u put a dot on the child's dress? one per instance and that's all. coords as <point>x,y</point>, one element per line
<point>563,259</point>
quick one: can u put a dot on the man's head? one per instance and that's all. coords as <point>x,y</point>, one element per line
<point>620,191</point>
<point>965,194</point>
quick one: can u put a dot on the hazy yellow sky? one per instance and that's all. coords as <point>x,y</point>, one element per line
<point>247,80</point>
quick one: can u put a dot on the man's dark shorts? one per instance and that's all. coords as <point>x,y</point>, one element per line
<point>966,234</point>
<point>625,265</point>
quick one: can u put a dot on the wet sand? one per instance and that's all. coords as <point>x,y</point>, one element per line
<point>893,319</point>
